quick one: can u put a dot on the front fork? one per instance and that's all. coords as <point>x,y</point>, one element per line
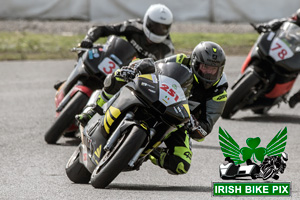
<point>120,129</point>
<point>71,93</point>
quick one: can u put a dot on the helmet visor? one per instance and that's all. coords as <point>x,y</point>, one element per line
<point>208,72</point>
<point>157,28</point>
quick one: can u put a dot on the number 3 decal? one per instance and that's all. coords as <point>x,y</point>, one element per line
<point>111,66</point>
<point>108,66</point>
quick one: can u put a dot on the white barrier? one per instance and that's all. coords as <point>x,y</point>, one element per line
<point>109,11</point>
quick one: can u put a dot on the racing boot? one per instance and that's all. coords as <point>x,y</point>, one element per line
<point>85,116</point>
<point>294,100</point>
<point>157,156</point>
<point>98,99</point>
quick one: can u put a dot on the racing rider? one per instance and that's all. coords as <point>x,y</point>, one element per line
<point>208,88</point>
<point>274,25</point>
<point>149,37</point>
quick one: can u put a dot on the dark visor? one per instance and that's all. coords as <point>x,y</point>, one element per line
<point>157,28</point>
<point>207,72</point>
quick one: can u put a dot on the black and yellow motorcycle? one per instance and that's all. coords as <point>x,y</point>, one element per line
<point>131,125</point>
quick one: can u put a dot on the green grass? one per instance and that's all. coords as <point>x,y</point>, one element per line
<point>31,46</point>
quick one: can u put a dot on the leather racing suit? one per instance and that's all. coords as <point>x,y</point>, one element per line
<point>176,158</point>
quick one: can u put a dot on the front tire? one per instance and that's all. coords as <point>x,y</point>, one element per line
<point>268,173</point>
<point>239,94</point>
<point>117,159</point>
<point>66,117</point>
<point>76,171</point>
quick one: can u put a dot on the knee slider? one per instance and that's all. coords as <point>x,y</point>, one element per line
<point>182,167</point>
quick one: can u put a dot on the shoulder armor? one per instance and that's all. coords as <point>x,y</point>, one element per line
<point>223,80</point>
<point>132,24</point>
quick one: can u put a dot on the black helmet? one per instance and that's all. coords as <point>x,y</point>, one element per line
<point>207,61</point>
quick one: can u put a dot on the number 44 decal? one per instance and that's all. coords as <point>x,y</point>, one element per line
<point>279,50</point>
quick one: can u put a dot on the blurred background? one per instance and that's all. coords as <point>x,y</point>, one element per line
<point>48,29</point>
<point>108,11</point>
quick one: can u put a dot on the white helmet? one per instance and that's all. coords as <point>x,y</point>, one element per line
<point>157,22</point>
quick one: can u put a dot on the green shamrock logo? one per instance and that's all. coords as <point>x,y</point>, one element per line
<point>258,153</point>
<point>239,155</point>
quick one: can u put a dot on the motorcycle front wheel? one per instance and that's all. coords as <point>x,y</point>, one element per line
<point>66,117</point>
<point>239,95</point>
<point>76,171</point>
<point>114,161</point>
<point>268,173</point>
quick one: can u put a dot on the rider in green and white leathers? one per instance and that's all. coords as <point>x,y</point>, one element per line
<point>208,88</point>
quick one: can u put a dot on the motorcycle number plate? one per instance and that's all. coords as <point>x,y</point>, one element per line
<point>279,50</point>
<point>108,66</point>
<point>170,91</point>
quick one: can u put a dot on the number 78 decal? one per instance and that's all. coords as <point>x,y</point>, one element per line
<point>279,50</point>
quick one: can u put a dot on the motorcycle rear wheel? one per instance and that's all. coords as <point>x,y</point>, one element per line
<point>118,158</point>
<point>66,117</point>
<point>76,171</point>
<point>239,94</point>
<point>268,173</point>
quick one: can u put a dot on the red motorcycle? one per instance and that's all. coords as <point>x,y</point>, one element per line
<point>268,73</point>
<point>87,76</point>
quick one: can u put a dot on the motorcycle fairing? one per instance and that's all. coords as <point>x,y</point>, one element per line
<point>165,95</point>
<point>125,100</point>
<point>77,72</point>
<point>170,91</point>
<point>280,89</point>
<point>283,47</point>
<point>93,142</point>
<point>117,52</point>
<point>61,100</point>
<point>231,171</point>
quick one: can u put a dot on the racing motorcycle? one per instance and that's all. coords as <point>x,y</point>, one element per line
<point>131,125</point>
<point>268,73</point>
<point>87,76</point>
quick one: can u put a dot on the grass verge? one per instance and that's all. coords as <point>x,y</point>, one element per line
<point>32,46</point>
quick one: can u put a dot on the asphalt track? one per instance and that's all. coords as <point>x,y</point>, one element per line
<point>31,169</point>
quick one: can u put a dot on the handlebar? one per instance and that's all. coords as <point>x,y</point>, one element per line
<point>253,25</point>
<point>260,29</point>
<point>74,49</point>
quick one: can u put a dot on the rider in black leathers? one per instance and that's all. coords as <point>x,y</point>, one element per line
<point>278,163</point>
<point>149,37</point>
<point>274,25</point>
<point>208,88</point>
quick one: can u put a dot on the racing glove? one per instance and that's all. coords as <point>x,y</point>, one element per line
<point>86,43</point>
<point>127,73</point>
<point>195,129</point>
<point>260,28</point>
<point>275,25</point>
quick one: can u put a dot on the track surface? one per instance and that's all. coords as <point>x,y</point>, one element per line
<point>31,169</point>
